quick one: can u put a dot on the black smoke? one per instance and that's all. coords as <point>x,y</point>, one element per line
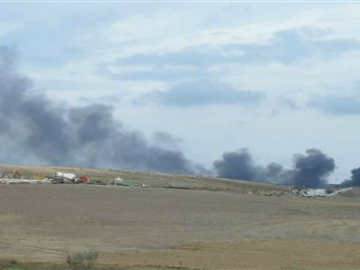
<point>310,170</point>
<point>355,178</point>
<point>34,129</point>
<point>239,165</point>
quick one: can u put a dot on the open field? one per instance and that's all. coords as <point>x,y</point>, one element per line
<point>222,227</point>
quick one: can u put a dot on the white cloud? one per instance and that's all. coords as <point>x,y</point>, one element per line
<point>6,28</point>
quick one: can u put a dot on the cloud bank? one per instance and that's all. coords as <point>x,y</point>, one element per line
<point>338,104</point>
<point>203,92</point>
<point>286,47</point>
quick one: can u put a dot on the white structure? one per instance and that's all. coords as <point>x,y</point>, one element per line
<point>70,177</point>
<point>118,180</point>
<point>309,192</point>
<point>24,181</point>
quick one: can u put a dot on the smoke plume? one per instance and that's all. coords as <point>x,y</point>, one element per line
<point>34,129</point>
<point>239,165</point>
<point>355,178</point>
<point>310,170</point>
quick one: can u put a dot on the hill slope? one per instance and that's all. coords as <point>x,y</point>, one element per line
<point>151,179</point>
<point>158,227</point>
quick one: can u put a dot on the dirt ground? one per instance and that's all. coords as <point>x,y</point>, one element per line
<point>172,228</point>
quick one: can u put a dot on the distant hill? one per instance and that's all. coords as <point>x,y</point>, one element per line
<point>151,179</point>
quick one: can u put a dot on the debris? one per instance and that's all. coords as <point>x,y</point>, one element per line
<point>12,181</point>
<point>118,180</point>
<point>124,185</point>
<point>96,182</point>
<point>8,177</point>
<point>38,176</point>
<point>178,185</point>
<point>83,179</point>
<point>61,177</point>
<point>321,192</point>
<point>16,174</point>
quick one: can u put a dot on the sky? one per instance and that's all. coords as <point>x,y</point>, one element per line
<point>275,78</point>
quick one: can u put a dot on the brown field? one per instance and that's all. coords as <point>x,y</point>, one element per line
<point>212,224</point>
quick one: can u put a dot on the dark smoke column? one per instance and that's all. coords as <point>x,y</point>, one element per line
<point>239,165</point>
<point>35,130</point>
<point>312,169</point>
<point>355,177</point>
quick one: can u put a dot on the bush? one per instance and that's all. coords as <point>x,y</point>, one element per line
<point>8,264</point>
<point>82,260</point>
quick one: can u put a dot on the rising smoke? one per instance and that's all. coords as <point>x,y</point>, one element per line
<point>310,170</point>
<point>34,130</point>
<point>355,178</point>
<point>239,165</point>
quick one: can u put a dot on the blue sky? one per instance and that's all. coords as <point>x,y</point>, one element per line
<point>277,78</point>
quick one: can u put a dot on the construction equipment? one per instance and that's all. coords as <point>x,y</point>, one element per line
<point>83,179</point>
<point>39,176</point>
<point>16,174</point>
<point>60,177</point>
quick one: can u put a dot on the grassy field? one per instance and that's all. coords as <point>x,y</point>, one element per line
<point>214,224</point>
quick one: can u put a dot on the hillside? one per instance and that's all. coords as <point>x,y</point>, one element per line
<point>152,179</point>
<point>210,224</point>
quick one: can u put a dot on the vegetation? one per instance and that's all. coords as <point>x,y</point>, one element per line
<point>82,260</point>
<point>11,264</point>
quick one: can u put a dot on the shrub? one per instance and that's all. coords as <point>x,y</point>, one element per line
<point>7,264</point>
<point>82,260</point>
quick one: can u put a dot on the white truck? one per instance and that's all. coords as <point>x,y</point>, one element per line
<point>61,177</point>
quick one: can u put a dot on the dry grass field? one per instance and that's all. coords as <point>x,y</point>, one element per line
<point>213,224</point>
